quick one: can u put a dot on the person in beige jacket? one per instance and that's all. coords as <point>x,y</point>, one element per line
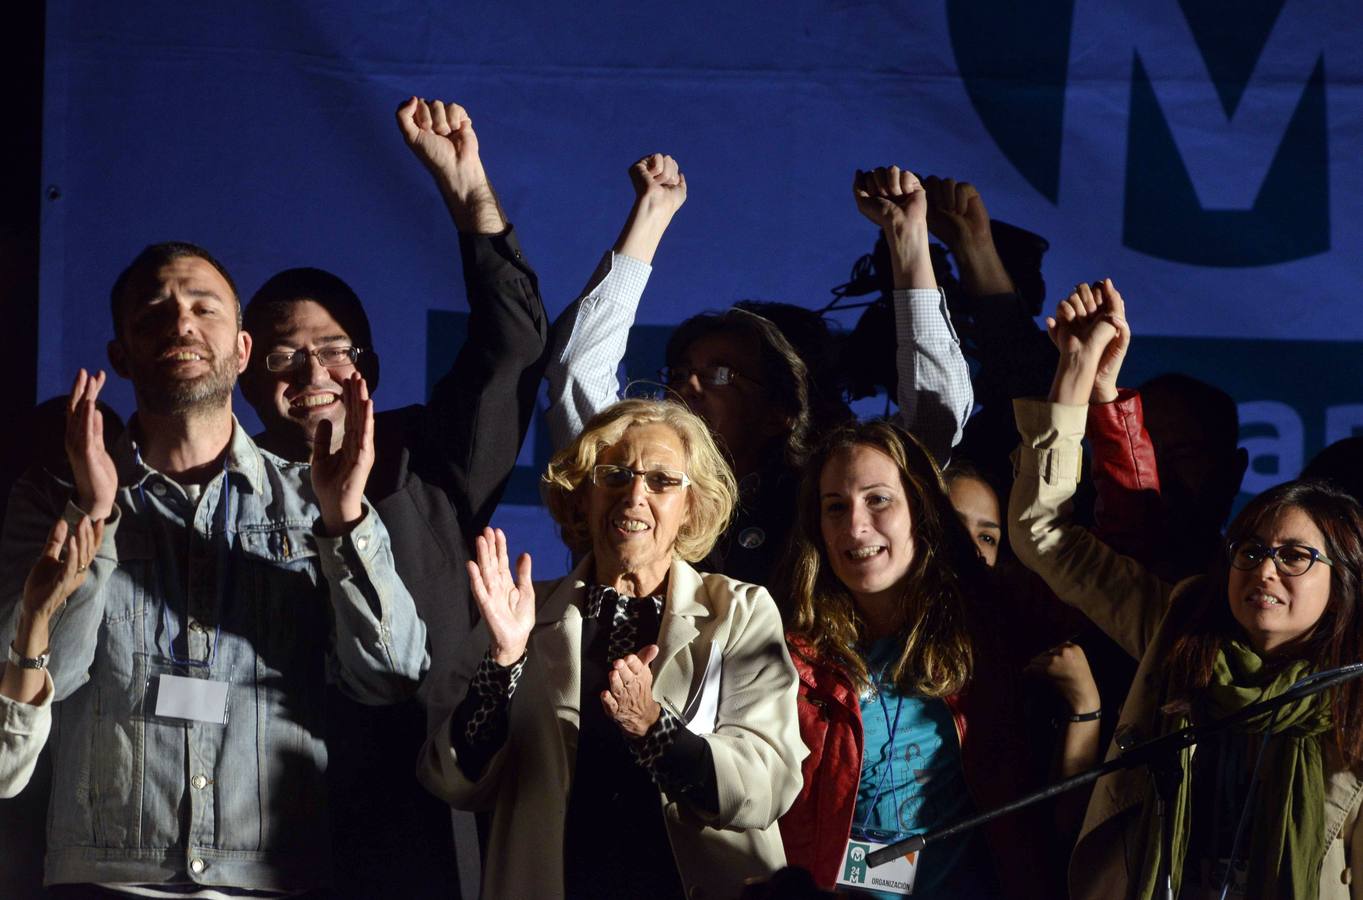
<point>1284,605</point>
<point>632,729</point>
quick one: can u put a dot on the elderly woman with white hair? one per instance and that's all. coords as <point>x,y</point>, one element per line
<point>632,727</point>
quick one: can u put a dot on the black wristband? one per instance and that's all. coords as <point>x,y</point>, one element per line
<point>1085,717</point>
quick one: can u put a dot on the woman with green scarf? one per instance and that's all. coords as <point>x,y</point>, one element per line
<point>1281,604</point>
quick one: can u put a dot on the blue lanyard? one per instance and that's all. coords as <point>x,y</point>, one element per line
<point>225,579</point>
<point>889,770</point>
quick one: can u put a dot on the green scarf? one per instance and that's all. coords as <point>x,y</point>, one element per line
<point>1287,840</point>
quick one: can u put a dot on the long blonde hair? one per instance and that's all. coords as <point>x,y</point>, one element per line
<point>938,655</point>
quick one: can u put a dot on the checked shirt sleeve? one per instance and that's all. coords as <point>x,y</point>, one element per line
<point>935,393</point>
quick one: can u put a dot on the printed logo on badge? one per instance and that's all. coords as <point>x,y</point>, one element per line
<point>854,872</point>
<point>894,877</point>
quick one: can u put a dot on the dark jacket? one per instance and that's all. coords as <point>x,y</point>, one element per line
<point>439,472</point>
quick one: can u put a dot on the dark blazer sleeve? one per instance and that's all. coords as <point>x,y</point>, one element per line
<point>480,410</point>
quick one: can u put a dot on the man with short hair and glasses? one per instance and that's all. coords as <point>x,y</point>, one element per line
<point>440,471</point>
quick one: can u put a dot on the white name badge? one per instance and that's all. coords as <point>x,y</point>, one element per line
<point>198,699</point>
<point>894,877</point>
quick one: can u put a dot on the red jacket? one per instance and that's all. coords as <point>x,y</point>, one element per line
<point>1127,510</point>
<point>993,754</point>
<point>993,747</point>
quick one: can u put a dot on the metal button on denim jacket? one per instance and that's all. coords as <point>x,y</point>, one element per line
<point>272,608</point>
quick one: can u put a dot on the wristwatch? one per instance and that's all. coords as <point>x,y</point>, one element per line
<point>28,662</point>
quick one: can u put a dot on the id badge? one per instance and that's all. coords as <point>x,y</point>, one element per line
<point>176,693</point>
<point>894,877</point>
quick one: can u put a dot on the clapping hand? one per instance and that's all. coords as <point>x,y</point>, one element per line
<point>339,476</point>
<point>60,568</point>
<point>507,606</point>
<point>92,467</point>
<point>629,699</point>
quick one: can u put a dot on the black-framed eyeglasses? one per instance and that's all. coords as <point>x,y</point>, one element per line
<point>656,481</point>
<point>1290,559</point>
<point>710,376</point>
<point>331,357</point>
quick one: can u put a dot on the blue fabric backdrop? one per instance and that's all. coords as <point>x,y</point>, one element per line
<point>1208,163</point>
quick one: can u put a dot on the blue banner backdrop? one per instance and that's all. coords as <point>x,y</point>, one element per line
<point>1207,162</point>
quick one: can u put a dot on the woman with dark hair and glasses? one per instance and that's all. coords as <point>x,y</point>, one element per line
<point>740,373</point>
<point>1270,808</point>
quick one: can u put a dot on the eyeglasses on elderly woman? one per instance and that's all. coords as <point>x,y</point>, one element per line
<point>656,481</point>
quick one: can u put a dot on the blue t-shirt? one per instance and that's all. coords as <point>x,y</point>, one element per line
<point>912,782</point>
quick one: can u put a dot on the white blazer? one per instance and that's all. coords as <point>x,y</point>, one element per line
<point>752,731</point>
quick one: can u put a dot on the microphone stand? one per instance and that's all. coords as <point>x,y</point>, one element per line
<point>1159,754</point>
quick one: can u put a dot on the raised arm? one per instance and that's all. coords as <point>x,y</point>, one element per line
<point>1016,358</point>
<point>590,336</point>
<point>480,411</point>
<point>935,396</point>
<point>1116,592</point>
<point>441,136</point>
<point>1127,511</point>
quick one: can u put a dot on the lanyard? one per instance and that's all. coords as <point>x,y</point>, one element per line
<point>889,770</point>
<point>225,579</point>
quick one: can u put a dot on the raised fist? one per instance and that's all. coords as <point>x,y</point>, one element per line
<point>659,185</point>
<point>1089,329</point>
<point>892,198</point>
<point>956,213</point>
<point>441,136</point>
<point>1067,669</point>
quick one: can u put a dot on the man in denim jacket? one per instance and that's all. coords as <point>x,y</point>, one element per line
<point>229,586</point>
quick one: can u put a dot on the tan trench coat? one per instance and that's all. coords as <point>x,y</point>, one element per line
<point>1144,615</point>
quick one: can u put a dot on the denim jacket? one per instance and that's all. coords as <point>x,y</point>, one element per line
<point>275,607</point>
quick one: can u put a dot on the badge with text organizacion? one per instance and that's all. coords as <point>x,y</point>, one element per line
<point>894,877</point>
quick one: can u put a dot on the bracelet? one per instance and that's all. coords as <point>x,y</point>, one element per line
<point>1085,717</point>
